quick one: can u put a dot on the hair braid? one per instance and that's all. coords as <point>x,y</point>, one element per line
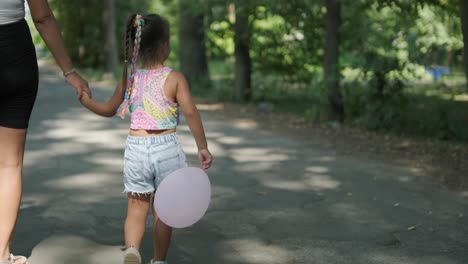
<point>135,21</point>
<point>128,39</point>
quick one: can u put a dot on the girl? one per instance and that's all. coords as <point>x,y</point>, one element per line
<point>153,94</point>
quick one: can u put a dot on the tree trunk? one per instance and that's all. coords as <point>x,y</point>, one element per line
<point>110,41</point>
<point>331,63</point>
<point>243,63</point>
<point>192,50</point>
<point>464,21</point>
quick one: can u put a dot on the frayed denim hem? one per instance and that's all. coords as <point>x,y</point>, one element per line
<point>138,193</point>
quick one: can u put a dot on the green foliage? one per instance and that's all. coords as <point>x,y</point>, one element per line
<point>83,27</point>
<point>384,47</point>
<point>436,117</point>
<point>378,102</point>
<point>282,38</point>
<point>385,99</point>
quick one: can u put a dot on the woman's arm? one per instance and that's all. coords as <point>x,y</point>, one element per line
<point>47,27</point>
<point>109,108</point>
<point>193,118</point>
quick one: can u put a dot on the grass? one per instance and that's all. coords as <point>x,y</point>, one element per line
<point>434,110</point>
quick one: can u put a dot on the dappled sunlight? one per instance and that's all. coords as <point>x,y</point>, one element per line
<point>210,107</point>
<point>324,159</point>
<point>291,185</point>
<point>405,178</point>
<point>86,181</point>
<point>190,147</point>
<point>105,138</point>
<point>321,182</point>
<point>99,197</point>
<point>57,148</point>
<point>41,158</point>
<point>257,154</point>
<point>244,124</point>
<point>307,183</point>
<point>101,137</point>
<point>46,251</point>
<point>106,160</point>
<point>35,200</point>
<point>317,169</point>
<point>416,171</point>
<point>211,134</point>
<point>231,140</point>
<point>254,250</point>
<point>256,166</point>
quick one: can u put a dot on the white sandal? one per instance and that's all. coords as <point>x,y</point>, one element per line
<point>131,256</point>
<point>157,262</point>
<point>16,260</point>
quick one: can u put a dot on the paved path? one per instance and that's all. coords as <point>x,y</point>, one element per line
<point>275,199</point>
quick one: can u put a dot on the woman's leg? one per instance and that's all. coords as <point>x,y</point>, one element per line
<point>137,213</point>
<point>11,165</point>
<point>161,238</point>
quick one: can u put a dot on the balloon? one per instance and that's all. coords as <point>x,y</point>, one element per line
<point>183,197</point>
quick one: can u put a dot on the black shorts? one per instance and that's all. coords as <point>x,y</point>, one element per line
<point>18,75</point>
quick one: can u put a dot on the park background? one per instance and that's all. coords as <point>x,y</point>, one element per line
<point>367,67</point>
<point>336,128</point>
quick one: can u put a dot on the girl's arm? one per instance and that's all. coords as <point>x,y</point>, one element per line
<point>47,26</point>
<point>190,111</point>
<point>109,108</point>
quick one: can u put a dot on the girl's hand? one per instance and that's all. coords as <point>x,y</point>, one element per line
<point>80,85</point>
<point>205,158</point>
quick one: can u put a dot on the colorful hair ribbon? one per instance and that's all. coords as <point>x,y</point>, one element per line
<point>138,24</point>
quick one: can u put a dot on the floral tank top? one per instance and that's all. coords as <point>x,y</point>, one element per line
<point>149,107</point>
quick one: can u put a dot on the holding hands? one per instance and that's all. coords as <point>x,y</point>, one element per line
<point>78,83</point>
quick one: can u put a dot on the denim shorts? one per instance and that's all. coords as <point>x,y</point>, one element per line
<point>149,159</point>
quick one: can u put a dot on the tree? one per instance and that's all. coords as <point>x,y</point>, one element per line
<point>111,41</point>
<point>192,49</point>
<point>464,20</point>
<point>331,60</point>
<point>243,65</point>
<point>89,28</point>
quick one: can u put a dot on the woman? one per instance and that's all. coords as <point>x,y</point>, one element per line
<point>18,89</point>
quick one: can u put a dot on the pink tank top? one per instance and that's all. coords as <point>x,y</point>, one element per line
<point>149,107</point>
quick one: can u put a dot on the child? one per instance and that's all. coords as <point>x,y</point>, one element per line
<point>153,95</point>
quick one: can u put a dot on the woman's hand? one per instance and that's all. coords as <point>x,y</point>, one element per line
<point>205,158</point>
<point>80,85</point>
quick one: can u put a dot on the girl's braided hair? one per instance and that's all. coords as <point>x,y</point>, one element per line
<point>145,39</point>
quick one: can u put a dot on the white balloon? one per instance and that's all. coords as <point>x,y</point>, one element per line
<point>183,197</point>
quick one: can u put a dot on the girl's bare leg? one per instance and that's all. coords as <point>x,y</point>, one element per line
<point>138,206</point>
<point>161,238</point>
